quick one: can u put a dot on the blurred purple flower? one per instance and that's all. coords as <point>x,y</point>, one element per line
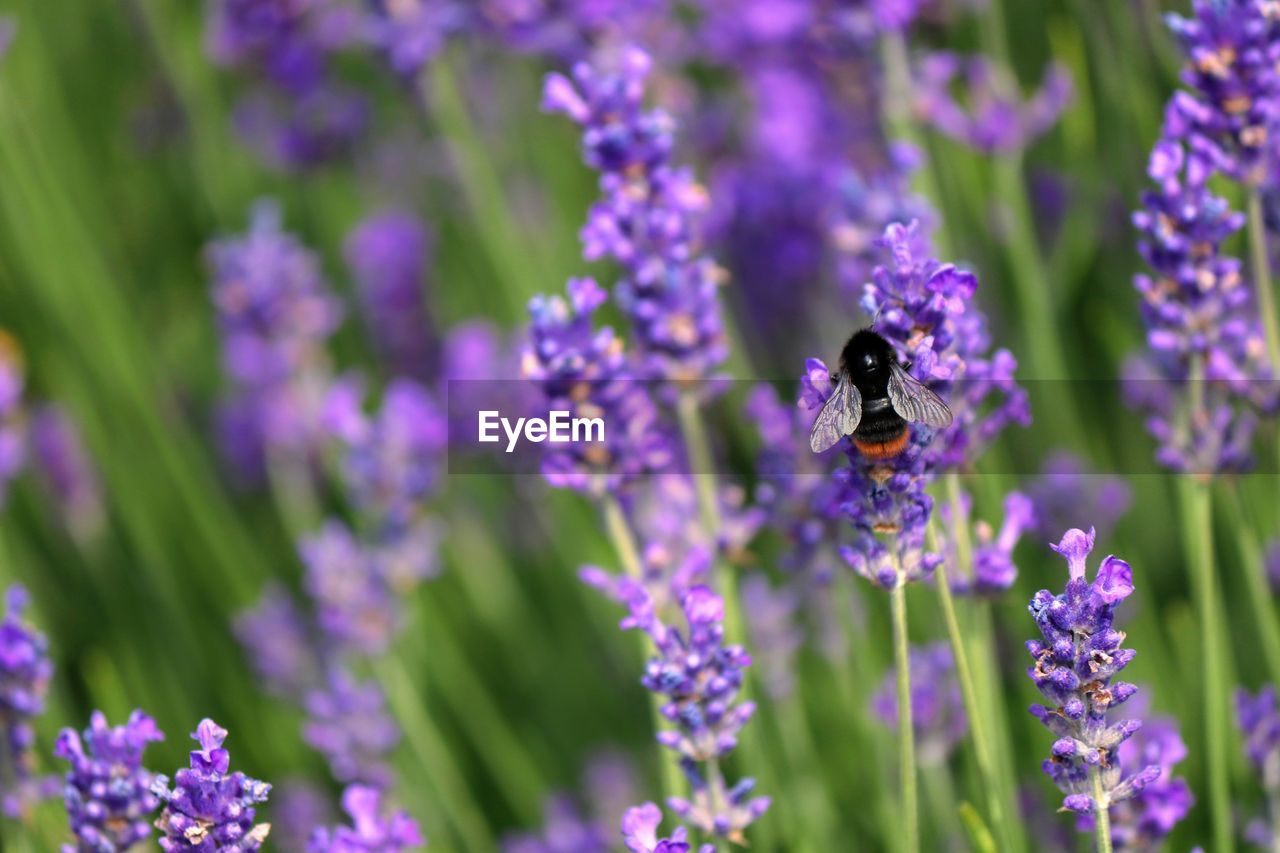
<point>347,723</point>
<point>25,671</point>
<point>108,792</point>
<point>388,252</point>
<point>8,31</point>
<point>1067,494</point>
<point>275,313</point>
<point>701,677</point>
<point>1145,820</point>
<point>937,710</point>
<point>297,133</point>
<point>640,833</point>
<point>1272,562</point>
<point>993,568</point>
<point>60,456</point>
<point>648,219</point>
<point>371,831</point>
<point>571,29</point>
<point>278,644</point>
<point>1201,323</point>
<point>297,808</point>
<point>587,372</point>
<point>1229,116</point>
<point>1259,719</point>
<point>410,33</point>
<point>1075,663</point>
<point>564,830</point>
<point>996,120</point>
<point>207,809</point>
<point>774,631</point>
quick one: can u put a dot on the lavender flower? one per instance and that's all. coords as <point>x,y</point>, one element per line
<point>564,830</point>
<point>297,808</point>
<point>1229,115</point>
<point>995,122</point>
<point>924,309</point>
<point>108,793</point>
<point>13,444</point>
<point>647,220</point>
<point>568,29</point>
<point>275,314</point>
<point>207,809</point>
<point>1200,320</point>
<point>371,831</point>
<point>937,711</point>
<point>388,253</point>
<point>1075,663</point>
<point>1259,720</point>
<point>587,372</point>
<point>640,833</point>
<point>60,456</point>
<point>298,133</point>
<point>25,671</point>
<point>774,631</point>
<point>701,677</point>
<point>347,722</point>
<point>410,33</point>
<point>8,29</point>
<point>278,639</point>
<point>1272,563</point>
<point>1143,822</point>
<point>1067,492</point>
<point>993,568</point>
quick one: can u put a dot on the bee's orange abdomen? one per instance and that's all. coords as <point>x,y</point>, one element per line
<point>883,449</point>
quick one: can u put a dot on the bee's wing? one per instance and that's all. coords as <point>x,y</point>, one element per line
<point>839,417</point>
<point>914,402</point>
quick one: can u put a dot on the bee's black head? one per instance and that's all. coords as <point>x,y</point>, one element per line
<point>867,354</point>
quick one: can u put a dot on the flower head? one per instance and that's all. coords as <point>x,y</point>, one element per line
<point>348,723</point>
<point>587,372</point>
<point>388,252</point>
<point>648,219</point>
<point>640,833</point>
<point>25,671</point>
<point>1230,112</point>
<point>1076,661</point>
<point>1067,493</point>
<point>996,120</point>
<point>371,831</point>
<point>108,792</point>
<point>1200,321</point>
<point>60,456</point>
<point>208,810</point>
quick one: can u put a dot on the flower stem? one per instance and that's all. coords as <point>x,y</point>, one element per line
<point>1198,522</point>
<point>1101,811</point>
<point>1255,575</point>
<point>624,544</point>
<point>969,693</point>
<point>1261,263</point>
<point>906,725</point>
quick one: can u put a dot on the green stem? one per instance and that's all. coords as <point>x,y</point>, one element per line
<point>698,448</point>
<point>969,694</point>
<point>1255,575</point>
<point>1198,522</point>
<point>624,544</point>
<point>436,765</point>
<point>1261,263</point>
<point>906,725</point>
<point>481,185</point>
<point>1101,811</point>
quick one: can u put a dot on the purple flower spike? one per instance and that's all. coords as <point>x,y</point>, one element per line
<point>348,723</point>
<point>640,833</point>
<point>1201,322</point>
<point>25,671</point>
<point>937,709</point>
<point>586,371</point>
<point>1075,664</point>
<point>108,792</point>
<point>1232,59</point>
<point>13,436</point>
<point>60,456</point>
<point>208,810</point>
<point>370,830</point>
<point>388,252</point>
<point>996,121</point>
<point>1259,719</point>
<point>648,220</point>
<point>701,677</point>
<point>1067,493</point>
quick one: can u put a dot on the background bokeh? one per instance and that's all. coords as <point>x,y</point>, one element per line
<point>120,161</point>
